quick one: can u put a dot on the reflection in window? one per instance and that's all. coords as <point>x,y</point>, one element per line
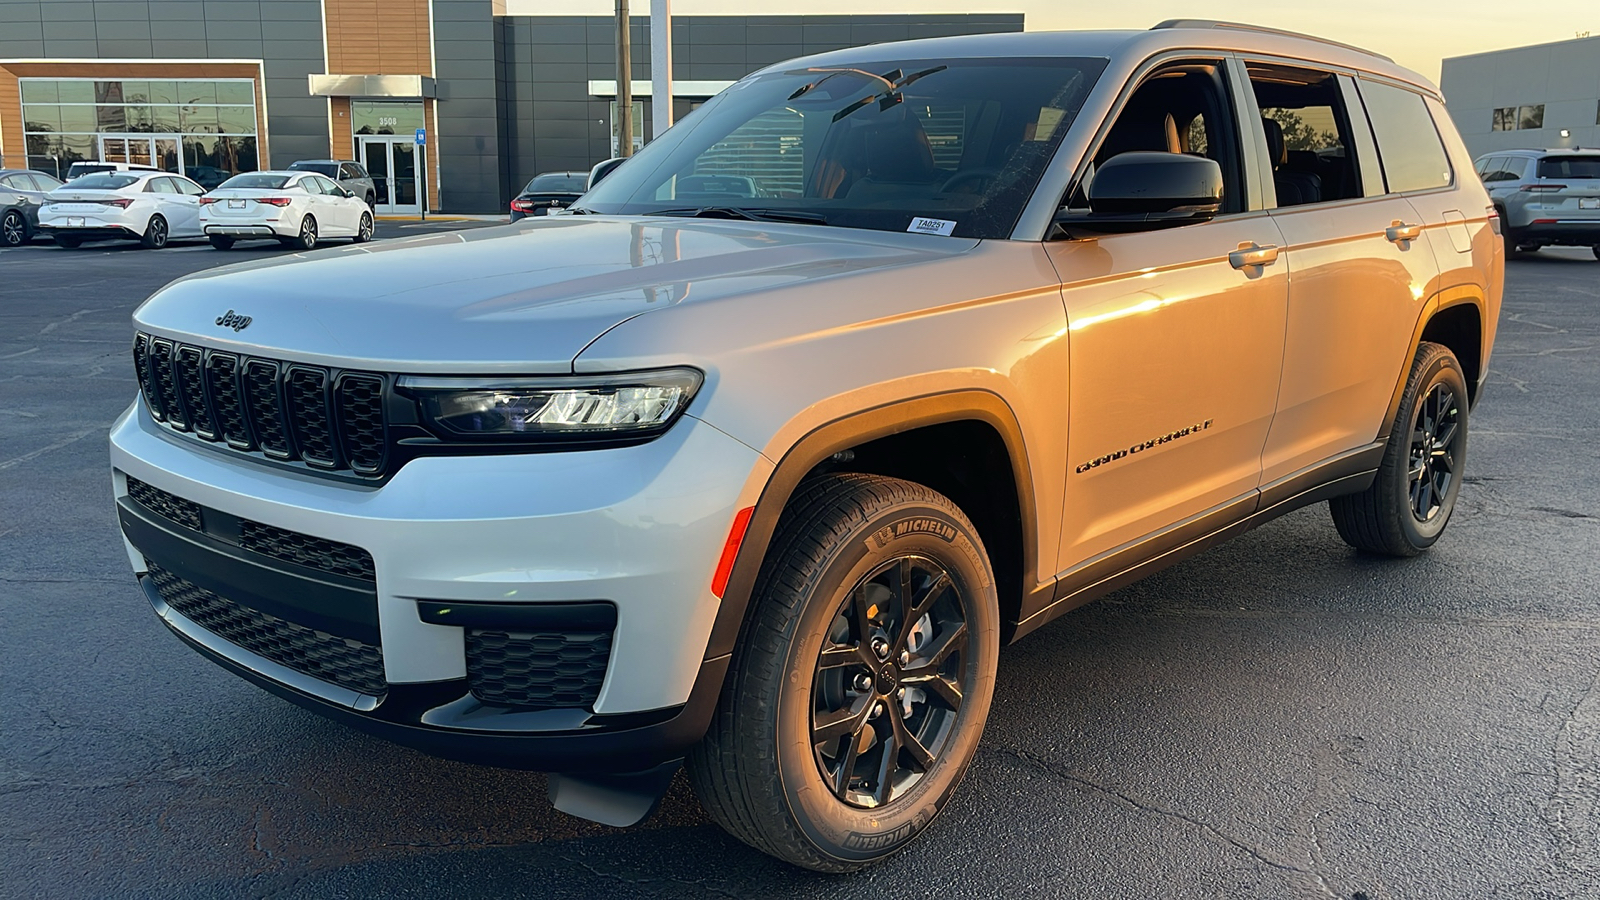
<point>1531,116</point>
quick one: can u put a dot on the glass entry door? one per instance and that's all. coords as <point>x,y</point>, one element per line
<point>392,163</point>
<point>160,151</point>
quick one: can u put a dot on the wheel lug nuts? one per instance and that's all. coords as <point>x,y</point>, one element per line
<point>880,648</point>
<point>863,682</point>
<point>877,710</point>
<point>900,694</point>
<point>905,657</point>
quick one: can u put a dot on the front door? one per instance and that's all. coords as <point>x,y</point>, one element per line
<point>392,163</point>
<point>160,151</point>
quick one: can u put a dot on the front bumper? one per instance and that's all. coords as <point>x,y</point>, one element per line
<point>639,527</point>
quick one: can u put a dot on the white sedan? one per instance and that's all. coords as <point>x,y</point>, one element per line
<point>299,209</point>
<point>149,207</point>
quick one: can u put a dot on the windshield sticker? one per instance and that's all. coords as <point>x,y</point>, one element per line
<point>919,225</point>
<point>1049,118</point>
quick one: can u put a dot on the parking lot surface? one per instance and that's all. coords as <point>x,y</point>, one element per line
<point>1277,718</point>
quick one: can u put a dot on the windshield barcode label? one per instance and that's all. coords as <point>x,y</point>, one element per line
<point>920,225</point>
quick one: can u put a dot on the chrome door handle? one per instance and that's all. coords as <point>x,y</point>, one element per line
<point>1399,231</point>
<point>1253,254</point>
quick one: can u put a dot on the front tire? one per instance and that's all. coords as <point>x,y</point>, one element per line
<point>13,229</point>
<point>155,234</point>
<point>364,229</point>
<point>1409,503</point>
<point>221,242</point>
<point>861,680</point>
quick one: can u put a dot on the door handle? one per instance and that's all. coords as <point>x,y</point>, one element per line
<point>1253,254</point>
<point>1399,231</point>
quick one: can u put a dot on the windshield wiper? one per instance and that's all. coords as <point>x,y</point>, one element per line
<point>738,212</point>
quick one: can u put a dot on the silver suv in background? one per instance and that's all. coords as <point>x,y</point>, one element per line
<point>1544,197</point>
<point>350,175</point>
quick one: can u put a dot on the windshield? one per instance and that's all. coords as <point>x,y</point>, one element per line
<point>103,181</point>
<point>561,182</point>
<point>329,169</point>
<point>256,180</point>
<point>1569,167</point>
<point>950,147</point>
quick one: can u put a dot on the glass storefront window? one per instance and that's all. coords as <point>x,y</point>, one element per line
<point>205,128</point>
<point>384,117</point>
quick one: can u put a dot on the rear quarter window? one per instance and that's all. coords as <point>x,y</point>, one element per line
<point>1570,167</point>
<point>1408,141</point>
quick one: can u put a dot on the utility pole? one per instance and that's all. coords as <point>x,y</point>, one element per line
<point>660,67</point>
<point>624,83</point>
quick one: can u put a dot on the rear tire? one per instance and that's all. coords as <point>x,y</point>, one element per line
<point>71,242</point>
<point>1513,251</point>
<point>155,234</point>
<point>307,238</point>
<point>13,229</point>
<point>221,242</point>
<point>833,644</point>
<point>1410,500</point>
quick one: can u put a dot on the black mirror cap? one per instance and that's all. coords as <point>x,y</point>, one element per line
<point>1144,181</point>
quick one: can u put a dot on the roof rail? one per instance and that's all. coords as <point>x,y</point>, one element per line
<point>1259,29</point>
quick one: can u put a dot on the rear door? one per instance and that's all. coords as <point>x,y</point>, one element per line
<point>187,201</point>
<point>1360,264</point>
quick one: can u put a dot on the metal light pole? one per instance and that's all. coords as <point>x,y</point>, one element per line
<point>660,67</point>
<point>624,83</point>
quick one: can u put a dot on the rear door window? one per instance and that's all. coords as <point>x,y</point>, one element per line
<point>1408,142</point>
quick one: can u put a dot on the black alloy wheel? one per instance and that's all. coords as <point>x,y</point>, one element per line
<point>13,229</point>
<point>155,234</point>
<point>860,682</point>
<point>1409,502</point>
<point>1437,438</point>
<point>887,689</point>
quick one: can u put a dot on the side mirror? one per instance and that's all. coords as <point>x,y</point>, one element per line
<point>603,169</point>
<point>1145,190</point>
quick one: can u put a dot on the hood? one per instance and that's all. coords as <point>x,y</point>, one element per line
<point>522,298</point>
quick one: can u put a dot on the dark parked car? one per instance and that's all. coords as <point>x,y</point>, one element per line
<point>548,191</point>
<point>350,175</point>
<point>21,194</point>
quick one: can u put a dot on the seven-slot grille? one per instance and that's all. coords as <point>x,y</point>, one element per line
<point>329,419</point>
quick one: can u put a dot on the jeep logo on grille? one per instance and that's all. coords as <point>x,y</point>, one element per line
<point>233,320</point>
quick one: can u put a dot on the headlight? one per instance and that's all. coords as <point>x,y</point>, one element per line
<point>601,407</point>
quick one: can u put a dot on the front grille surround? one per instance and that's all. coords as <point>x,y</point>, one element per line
<point>340,661</point>
<point>331,420</point>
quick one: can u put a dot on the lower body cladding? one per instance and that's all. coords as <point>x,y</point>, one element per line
<point>243,230</point>
<point>537,611</point>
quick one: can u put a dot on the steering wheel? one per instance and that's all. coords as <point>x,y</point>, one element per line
<point>980,177</point>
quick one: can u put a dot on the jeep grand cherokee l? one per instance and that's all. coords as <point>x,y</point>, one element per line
<point>881,359</point>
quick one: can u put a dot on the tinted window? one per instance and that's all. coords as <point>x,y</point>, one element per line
<point>952,146</point>
<point>320,168</point>
<point>329,187</point>
<point>257,180</point>
<point>44,182</point>
<point>1413,157</point>
<point>1308,128</point>
<point>105,181</point>
<point>1569,167</point>
<point>349,170</point>
<point>14,182</point>
<point>566,182</point>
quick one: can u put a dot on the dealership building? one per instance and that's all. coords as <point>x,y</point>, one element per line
<point>215,87</point>
<point>1543,96</point>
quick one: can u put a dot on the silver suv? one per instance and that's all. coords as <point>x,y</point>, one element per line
<point>755,457</point>
<point>1544,197</point>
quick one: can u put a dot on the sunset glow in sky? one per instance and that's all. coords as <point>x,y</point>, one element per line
<point>1416,35</point>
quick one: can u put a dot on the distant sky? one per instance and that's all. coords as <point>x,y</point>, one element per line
<point>1416,35</point>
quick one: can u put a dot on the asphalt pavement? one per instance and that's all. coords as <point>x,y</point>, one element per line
<point>1277,718</point>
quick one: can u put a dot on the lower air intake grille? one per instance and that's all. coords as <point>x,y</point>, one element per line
<point>543,670</point>
<point>184,512</point>
<point>305,550</point>
<point>340,661</point>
